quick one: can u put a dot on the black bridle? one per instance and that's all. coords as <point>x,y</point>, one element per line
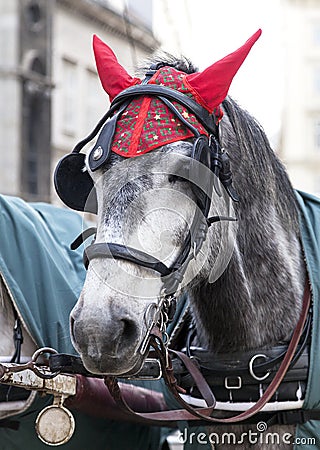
<point>75,187</point>
<point>207,151</point>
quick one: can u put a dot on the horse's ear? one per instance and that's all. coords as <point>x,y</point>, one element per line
<point>114,78</point>
<point>213,83</point>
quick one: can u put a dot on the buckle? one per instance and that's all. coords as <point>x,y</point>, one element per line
<point>152,365</point>
<point>233,382</point>
<point>251,368</point>
<point>295,417</point>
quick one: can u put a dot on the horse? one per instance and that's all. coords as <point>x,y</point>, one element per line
<point>36,297</point>
<point>246,280</point>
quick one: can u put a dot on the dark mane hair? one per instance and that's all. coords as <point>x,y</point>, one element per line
<point>255,164</point>
<point>267,212</point>
<point>181,63</point>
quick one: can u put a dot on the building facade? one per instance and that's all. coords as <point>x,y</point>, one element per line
<point>25,92</point>
<point>50,95</point>
<point>300,136</point>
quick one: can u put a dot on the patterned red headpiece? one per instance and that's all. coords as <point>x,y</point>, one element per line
<point>147,123</point>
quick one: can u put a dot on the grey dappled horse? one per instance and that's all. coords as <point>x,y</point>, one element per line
<point>246,284</point>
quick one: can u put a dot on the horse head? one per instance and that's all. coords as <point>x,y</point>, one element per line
<point>154,208</point>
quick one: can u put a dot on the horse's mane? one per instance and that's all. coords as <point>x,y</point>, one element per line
<point>259,174</point>
<point>256,166</point>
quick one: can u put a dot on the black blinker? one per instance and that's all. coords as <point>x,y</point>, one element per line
<point>74,184</point>
<point>101,151</point>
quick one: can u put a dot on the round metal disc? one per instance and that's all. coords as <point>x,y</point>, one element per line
<point>55,425</point>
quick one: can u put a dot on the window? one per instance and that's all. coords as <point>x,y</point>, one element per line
<point>35,15</point>
<point>70,97</point>
<point>316,35</point>
<point>94,98</point>
<point>36,138</point>
<point>316,134</point>
<point>316,80</point>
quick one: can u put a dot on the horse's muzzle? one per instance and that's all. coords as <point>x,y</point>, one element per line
<point>106,346</point>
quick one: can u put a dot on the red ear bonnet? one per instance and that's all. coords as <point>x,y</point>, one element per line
<point>114,78</point>
<point>147,122</point>
<point>213,83</point>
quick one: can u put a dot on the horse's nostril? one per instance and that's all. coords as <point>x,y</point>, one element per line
<point>129,330</point>
<point>72,326</point>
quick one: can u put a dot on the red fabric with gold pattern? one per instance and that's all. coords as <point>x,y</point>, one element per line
<point>147,123</point>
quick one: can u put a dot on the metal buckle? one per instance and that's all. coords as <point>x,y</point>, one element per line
<point>148,377</point>
<point>227,384</point>
<point>252,360</point>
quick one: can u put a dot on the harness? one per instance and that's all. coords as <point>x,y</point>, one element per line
<point>75,187</point>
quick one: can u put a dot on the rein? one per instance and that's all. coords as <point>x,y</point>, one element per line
<point>195,414</point>
<point>164,312</point>
<point>207,151</point>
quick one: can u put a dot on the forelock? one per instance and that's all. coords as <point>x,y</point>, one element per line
<point>181,63</point>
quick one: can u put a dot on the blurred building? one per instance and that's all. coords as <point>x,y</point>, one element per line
<point>50,96</point>
<point>300,137</point>
<point>296,28</point>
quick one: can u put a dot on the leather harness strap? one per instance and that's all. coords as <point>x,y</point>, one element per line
<point>191,414</point>
<point>207,151</point>
<point>119,251</point>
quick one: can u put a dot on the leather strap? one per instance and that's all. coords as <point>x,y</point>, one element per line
<point>83,237</point>
<point>105,140</point>
<point>11,424</point>
<point>204,117</point>
<point>119,251</point>
<point>192,414</point>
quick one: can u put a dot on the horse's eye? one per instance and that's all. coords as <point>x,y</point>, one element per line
<point>174,178</point>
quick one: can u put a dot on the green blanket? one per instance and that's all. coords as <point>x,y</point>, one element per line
<point>45,278</point>
<point>310,235</point>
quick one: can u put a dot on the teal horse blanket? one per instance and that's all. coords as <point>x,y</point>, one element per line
<point>308,434</point>
<point>44,278</point>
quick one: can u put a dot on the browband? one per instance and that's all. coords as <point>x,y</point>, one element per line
<point>202,114</point>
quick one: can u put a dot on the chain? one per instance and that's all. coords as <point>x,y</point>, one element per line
<point>162,315</point>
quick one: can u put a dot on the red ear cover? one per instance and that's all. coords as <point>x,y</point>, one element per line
<point>114,78</point>
<point>211,86</point>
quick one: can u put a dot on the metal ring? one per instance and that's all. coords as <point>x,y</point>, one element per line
<point>147,320</point>
<point>38,371</point>
<point>252,360</point>
<point>42,350</point>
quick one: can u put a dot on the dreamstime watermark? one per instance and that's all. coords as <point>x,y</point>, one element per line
<point>260,435</point>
